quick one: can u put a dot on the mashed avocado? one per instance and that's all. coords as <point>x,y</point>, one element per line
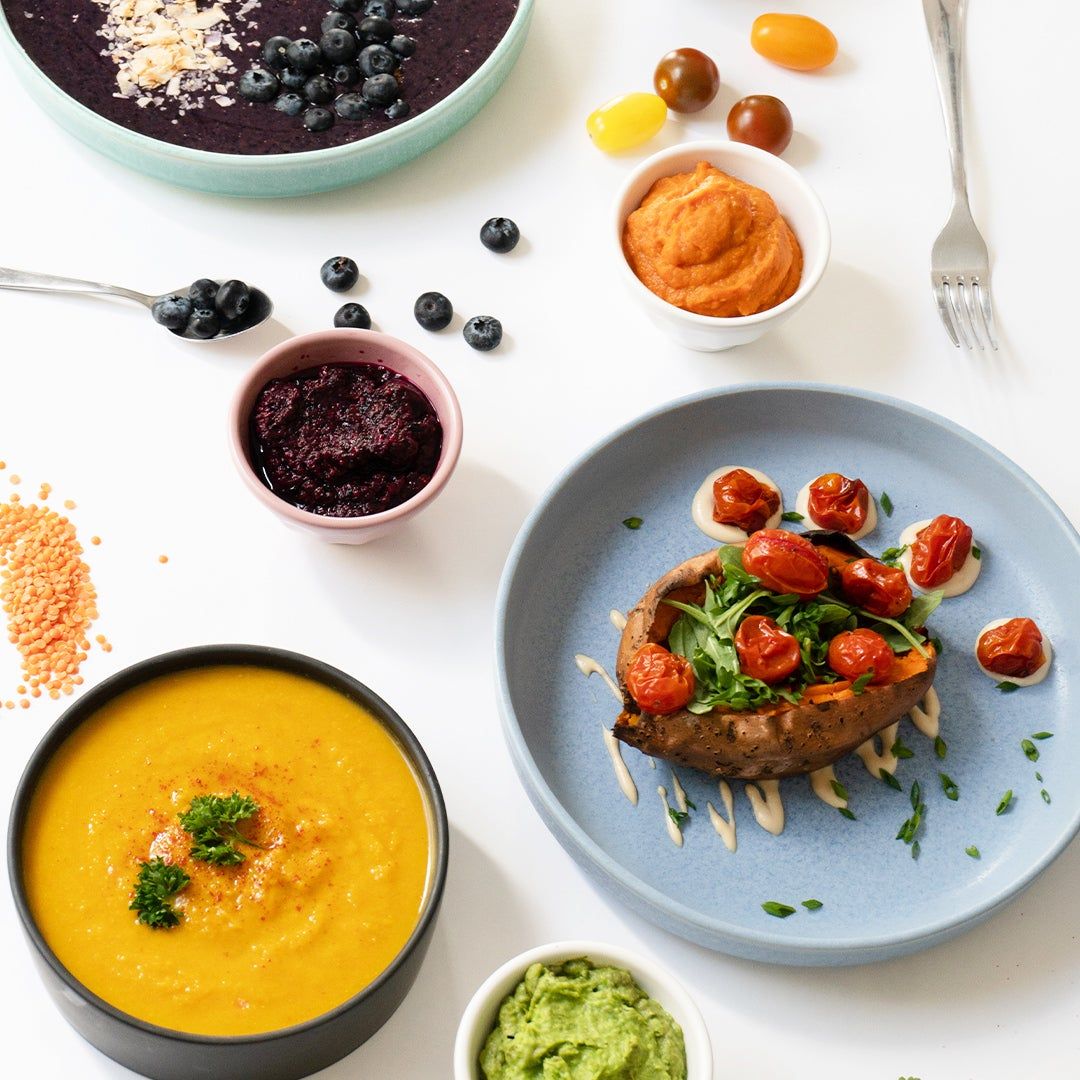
<point>575,1021</point>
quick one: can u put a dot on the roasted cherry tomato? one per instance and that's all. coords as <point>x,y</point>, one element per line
<point>766,652</point>
<point>877,588</point>
<point>742,500</point>
<point>855,652</point>
<point>625,122</point>
<point>658,680</point>
<point>939,551</point>
<point>785,563</point>
<point>761,121</point>
<point>687,80</point>
<point>1015,649</point>
<point>839,503</point>
<point>793,41</point>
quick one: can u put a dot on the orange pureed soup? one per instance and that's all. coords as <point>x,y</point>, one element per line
<point>309,918</point>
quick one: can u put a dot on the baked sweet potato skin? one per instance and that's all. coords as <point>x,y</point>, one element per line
<point>784,740</point>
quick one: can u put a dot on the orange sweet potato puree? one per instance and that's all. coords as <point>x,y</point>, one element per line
<point>290,933</point>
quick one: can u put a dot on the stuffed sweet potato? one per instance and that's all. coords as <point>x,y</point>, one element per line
<point>686,665</point>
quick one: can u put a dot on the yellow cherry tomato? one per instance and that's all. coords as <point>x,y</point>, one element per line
<point>793,41</point>
<point>626,122</point>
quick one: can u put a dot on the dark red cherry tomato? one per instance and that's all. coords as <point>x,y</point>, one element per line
<point>855,652</point>
<point>877,588</point>
<point>741,500</point>
<point>766,652</point>
<point>761,121</point>
<point>658,680</point>
<point>785,563</point>
<point>839,503</point>
<point>1015,649</point>
<point>939,551</point>
<point>687,80</point>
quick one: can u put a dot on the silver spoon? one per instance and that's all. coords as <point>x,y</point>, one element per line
<point>259,309</point>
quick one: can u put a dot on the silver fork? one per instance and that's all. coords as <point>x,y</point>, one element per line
<point>959,261</point>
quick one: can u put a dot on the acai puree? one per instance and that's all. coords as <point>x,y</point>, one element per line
<point>576,1021</point>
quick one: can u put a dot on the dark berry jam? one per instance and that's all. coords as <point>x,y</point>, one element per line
<point>345,440</point>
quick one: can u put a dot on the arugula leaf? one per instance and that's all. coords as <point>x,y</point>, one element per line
<point>157,883</point>
<point>862,682</point>
<point>212,821</point>
<point>922,607</point>
<point>633,522</point>
<point>776,909</point>
<point>886,503</point>
<point>812,905</point>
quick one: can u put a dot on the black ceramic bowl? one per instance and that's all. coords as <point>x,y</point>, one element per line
<point>289,1053</point>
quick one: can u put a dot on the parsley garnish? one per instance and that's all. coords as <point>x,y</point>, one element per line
<point>633,522</point>
<point>886,503</point>
<point>941,748</point>
<point>212,821</point>
<point>899,750</point>
<point>776,909</point>
<point>973,851</point>
<point>157,883</point>
<point>1043,735</point>
<point>1045,796</point>
<point>1030,750</point>
<point>862,682</point>
<point>1006,687</point>
<point>812,905</point>
<point>678,816</point>
<point>1006,802</point>
<point>791,515</point>
<point>890,779</point>
<point>847,813</point>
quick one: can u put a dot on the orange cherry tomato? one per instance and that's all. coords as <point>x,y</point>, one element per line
<point>839,503</point>
<point>793,41</point>
<point>786,563</point>
<point>740,499</point>
<point>877,588</point>
<point>766,652</point>
<point>658,680</point>
<point>1015,648</point>
<point>939,551</point>
<point>855,652</point>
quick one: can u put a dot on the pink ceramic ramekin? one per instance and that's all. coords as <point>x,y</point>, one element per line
<point>346,347</point>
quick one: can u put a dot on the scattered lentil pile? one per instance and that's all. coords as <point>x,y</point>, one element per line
<point>46,594</point>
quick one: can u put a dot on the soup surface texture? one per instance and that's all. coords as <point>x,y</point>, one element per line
<point>303,923</point>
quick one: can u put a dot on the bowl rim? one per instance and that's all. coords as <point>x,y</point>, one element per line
<point>695,1030</point>
<point>449,417</point>
<point>708,149</point>
<point>413,126</point>
<point>201,656</point>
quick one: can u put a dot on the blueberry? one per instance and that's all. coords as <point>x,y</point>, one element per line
<point>258,84</point>
<point>345,5</point>
<point>380,90</point>
<point>338,46</point>
<point>483,332</point>
<point>403,45</point>
<point>351,107</point>
<point>304,55</point>
<point>202,292</point>
<point>385,9</point>
<point>204,323</point>
<point>499,234</point>
<point>172,311</point>
<point>410,8</point>
<point>354,316</point>
<point>345,75</point>
<point>340,273</point>
<point>319,90</point>
<point>398,111</point>
<point>338,20</point>
<point>318,119</point>
<point>232,299</point>
<point>274,52</point>
<point>375,29</point>
<point>433,311</point>
<point>291,104</point>
<point>377,60</point>
<point>293,80</point>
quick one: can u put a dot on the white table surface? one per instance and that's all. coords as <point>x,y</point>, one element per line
<point>97,401</point>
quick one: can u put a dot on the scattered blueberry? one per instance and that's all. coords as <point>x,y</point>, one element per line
<point>380,90</point>
<point>274,52</point>
<point>345,75</point>
<point>258,84</point>
<point>293,80</point>
<point>483,332</point>
<point>204,323</point>
<point>499,234</point>
<point>304,55</point>
<point>203,292</point>
<point>340,273</point>
<point>232,299</point>
<point>345,5</point>
<point>172,311</point>
<point>338,20</point>
<point>351,107</point>
<point>403,45</point>
<point>375,30</point>
<point>410,8</point>
<point>386,9</point>
<point>398,111</point>
<point>353,316</point>
<point>338,46</point>
<point>318,119</point>
<point>377,60</point>
<point>433,311</point>
<point>319,90</point>
<point>291,104</point>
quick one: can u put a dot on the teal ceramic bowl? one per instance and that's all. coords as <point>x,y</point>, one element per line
<point>274,175</point>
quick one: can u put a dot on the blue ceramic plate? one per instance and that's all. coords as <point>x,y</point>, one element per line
<point>574,561</point>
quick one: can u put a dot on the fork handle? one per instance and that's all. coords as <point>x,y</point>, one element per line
<point>945,24</point>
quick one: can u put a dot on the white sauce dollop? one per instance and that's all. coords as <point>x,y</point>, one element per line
<point>701,509</point>
<point>1035,677</point>
<point>622,773</point>
<point>673,830</point>
<point>618,620</point>
<point>959,583</point>
<point>927,717</point>
<point>725,827</point>
<point>588,666</point>
<point>765,801</point>
<point>821,783</point>
<point>802,506</point>
<point>886,759</point>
